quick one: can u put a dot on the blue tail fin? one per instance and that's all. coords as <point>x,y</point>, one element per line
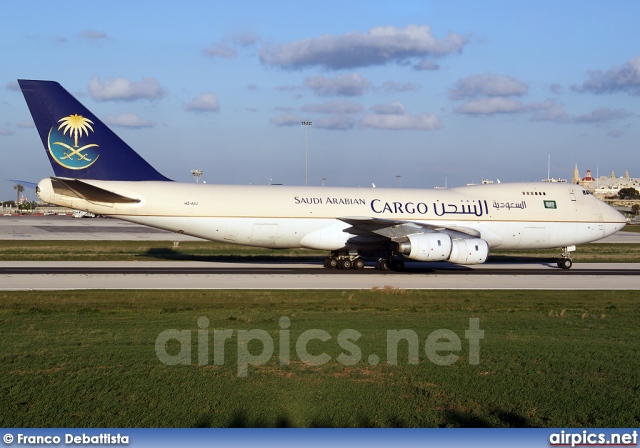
<point>79,145</point>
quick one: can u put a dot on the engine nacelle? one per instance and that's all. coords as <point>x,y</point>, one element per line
<point>469,251</point>
<point>426,246</point>
<point>440,247</point>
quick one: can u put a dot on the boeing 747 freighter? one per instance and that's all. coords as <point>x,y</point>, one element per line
<point>97,172</point>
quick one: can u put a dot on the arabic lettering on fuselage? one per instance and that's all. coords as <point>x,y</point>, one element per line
<point>478,209</point>
<point>509,205</point>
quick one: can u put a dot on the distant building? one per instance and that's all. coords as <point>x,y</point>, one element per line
<point>605,186</point>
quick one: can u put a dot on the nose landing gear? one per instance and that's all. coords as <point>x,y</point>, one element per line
<point>565,262</point>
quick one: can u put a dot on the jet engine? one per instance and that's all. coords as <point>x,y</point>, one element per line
<point>440,247</point>
<point>469,251</point>
<point>426,246</point>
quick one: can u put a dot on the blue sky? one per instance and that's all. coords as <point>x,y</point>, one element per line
<point>428,90</point>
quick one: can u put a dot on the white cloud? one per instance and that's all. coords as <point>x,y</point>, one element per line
<point>289,88</point>
<point>122,89</point>
<point>206,102</point>
<point>551,111</point>
<point>603,115</point>
<point>93,35</point>
<point>5,131</point>
<point>220,50</point>
<point>394,116</point>
<point>333,107</point>
<point>395,108</point>
<point>617,79</point>
<point>335,122</point>
<point>487,84</point>
<point>128,120</point>
<point>286,120</point>
<point>245,39</point>
<point>351,84</point>
<point>487,106</point>
<point>390,86</point>
<point>426,64</point>
<point>378,46</point>
<point>556,88</point>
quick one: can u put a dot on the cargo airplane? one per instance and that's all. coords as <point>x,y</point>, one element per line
<point>97,172</point>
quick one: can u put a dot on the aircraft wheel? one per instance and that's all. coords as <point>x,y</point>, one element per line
<point>383,265</point>
<point>345,263</point>
<point>397,265</point>
<point>331,262</point>
<point>565,263</point>
<point>358,263</point>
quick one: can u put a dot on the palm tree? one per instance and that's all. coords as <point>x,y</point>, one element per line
<point>19,189</point>
<point>76,125</point>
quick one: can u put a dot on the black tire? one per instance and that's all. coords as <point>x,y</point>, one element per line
<point>345,263</point>
<point>397,265</point>
<point>384,265</point>
<point>566,263</point>
<point>332,262</point>
<point>358,263</point>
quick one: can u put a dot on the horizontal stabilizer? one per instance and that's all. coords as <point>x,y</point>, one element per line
<point>24,183</point>
<point>83,190</point>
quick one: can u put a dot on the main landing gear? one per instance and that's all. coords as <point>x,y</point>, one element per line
<point>345,260</point>
<point>352,260</point>
<point>389,264</point>
<point>564,262</point>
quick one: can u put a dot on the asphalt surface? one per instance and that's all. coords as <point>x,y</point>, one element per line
<point>177,268</point>
<point>217,275</point>
<point>249,275</point>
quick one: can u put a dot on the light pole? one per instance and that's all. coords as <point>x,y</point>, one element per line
<point>197,174</point>
<point>306,151</point>
<point>323,179</point>
<point>398,176</point>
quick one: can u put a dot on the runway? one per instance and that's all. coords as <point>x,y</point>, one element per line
<point>218,275</point>
<point>207,275</point>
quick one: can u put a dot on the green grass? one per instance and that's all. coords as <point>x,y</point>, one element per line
<point>142,251</point>
<point>548,358</point>
<point>633,228</point>
<point>211,251</point>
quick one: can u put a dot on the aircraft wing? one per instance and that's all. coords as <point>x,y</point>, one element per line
<point>393,229</point>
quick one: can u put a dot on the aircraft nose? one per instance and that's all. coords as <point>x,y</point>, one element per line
<point>613,220</point>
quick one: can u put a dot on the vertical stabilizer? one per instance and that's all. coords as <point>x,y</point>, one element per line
<point>78,144</point>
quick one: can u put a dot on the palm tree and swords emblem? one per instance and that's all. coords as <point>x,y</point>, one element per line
<point>70,154</point>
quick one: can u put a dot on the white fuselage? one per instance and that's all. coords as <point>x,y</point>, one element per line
<point>506,216</point>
